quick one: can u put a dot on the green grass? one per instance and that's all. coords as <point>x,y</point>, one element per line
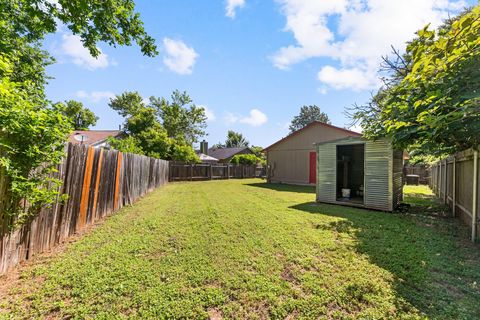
<point>246,249</point>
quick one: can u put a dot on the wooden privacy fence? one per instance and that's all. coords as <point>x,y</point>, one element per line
<point>190,172</point>
<point>98,182</point>
<point>455,180</point>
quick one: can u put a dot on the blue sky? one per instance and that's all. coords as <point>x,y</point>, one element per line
<point>251,63</point>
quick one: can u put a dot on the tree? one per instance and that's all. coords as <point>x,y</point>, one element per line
<point>181,117</point>
<point>245,159</point>
<point>80,117</point>
<point>113,22</point>
<point>307,115</point>
<point>235,140</point>
<point>128,144</point>
<point>430,101</point>
<point>31,144</point>
<point>33,131</point>
<point>143,124</point>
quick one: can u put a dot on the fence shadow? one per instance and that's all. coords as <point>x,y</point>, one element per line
<point>283,187</point>
<point>433,264</point>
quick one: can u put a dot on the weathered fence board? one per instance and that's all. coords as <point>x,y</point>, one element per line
<point>97,182</point>
<point>456,180</point>
<point>190,172</point>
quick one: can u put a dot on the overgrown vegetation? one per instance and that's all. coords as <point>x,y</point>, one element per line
<point>160,129</point>
<point>33,131</point>
<point>268,252</point>
<point>430,101</point>
<point>246,159</point>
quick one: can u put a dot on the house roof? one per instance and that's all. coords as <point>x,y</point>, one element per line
<point>225,153</point>
<point>94,137</point>
<point>314,123</point>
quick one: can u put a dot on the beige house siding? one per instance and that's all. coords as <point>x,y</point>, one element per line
<point>289,160</point>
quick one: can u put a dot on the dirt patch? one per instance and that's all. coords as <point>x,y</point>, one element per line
<point>215,314</point>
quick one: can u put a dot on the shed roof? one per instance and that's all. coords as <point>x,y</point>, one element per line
<point>314,123</point>
<point>225,153</point>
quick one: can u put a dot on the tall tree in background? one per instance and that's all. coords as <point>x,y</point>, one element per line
<point>33,131</point>
<point>181,117</point>
<point>307,115</point>
<point>81,118</point>
<point>235,140</point>
<point>431,97</point>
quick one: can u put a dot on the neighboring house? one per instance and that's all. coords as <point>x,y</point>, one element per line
<point>94,138</point>
<point>225,155</point>
<point>358,172</point>
<point>293,159</point>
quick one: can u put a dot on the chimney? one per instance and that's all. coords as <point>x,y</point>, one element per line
<point>204,147</point>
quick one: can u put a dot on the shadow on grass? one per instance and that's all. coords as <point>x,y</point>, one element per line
<point>283,187</point>
<point>435,268</point>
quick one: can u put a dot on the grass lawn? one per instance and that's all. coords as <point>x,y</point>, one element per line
<point>246,249</point>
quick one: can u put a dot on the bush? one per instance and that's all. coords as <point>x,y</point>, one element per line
<point>245,159</point>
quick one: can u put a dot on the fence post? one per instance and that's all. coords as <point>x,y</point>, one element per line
<point>210,172</point>
<point>475,195</point>
<point>454,186</point>
<point>440,179</point>
<point>191,172</point>
<point>445,188</point>
<point>228,171</point>
<point>243,171</point>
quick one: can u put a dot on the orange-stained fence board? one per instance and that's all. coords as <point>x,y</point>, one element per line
<point>117,181</point>
<point>87,177</point>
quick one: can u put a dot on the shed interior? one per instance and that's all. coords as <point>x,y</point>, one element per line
<point>350,172</point>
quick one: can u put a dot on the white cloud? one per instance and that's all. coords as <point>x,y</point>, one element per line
<point>355,33</point>
<point>179,57</point>
<point>73,49</point>
<point>232,5</point>
<point>209,113</point>
<point>255,118</point>
<point>353,78</point>
<point>94,96</point>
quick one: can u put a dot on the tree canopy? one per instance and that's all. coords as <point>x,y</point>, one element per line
<point>34,131</point>
<point>307,115</point>
<point>430,101</point>
<point>147,125</point>
<point>81,118</point>
<point>235,140</point>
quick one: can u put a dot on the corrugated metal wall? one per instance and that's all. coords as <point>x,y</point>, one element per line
<point>378,175</point>
<point>327,172</point>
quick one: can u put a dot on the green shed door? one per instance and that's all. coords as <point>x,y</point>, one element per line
<point>378,164</point>
<point>326,172</point>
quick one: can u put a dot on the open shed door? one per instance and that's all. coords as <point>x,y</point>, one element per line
<point>326,172</point>
<point>378,179</point>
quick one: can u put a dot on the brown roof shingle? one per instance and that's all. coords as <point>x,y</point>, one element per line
<point>94,136</point>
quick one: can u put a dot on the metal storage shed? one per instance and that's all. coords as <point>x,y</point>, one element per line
<point>371,170</point>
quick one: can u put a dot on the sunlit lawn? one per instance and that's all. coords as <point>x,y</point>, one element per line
<point>247,249</point>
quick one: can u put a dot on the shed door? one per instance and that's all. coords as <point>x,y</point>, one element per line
<point>378,181</point>
<point>313,168</point>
